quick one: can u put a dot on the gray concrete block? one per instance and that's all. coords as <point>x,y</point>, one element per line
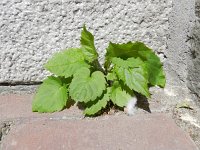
<point>194,66</point>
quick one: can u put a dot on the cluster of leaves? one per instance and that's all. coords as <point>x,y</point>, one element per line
<point>128,69</point>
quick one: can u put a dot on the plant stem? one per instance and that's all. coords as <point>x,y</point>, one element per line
<point>98,66</point>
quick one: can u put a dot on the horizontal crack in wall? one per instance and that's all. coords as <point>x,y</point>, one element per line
<point>19,83</point>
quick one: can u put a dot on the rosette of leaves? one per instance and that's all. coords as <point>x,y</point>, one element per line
<point>129,68</point>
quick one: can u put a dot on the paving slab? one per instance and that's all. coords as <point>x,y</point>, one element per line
<point>68,130</point>
<point>14,106</point>
<point>139,132</point>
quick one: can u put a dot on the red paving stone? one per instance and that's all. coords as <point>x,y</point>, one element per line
<point>66,130</point>
<point>19,106</point>
<point>140,132</point>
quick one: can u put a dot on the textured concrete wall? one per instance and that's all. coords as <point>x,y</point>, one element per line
<point>194,68</point>
<point>32,30</point>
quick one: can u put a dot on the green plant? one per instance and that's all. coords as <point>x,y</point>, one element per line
<point>128,69</point>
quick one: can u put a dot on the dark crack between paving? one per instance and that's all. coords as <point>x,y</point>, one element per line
<point>4,129</point>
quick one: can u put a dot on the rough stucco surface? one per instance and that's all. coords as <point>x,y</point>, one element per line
<point>32,30</point>
<point>194,69</point>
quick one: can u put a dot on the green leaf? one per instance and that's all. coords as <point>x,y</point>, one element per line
<point>129,63</point>
<point>84,87</point>
<point>156,74</point>
<point>111,76</point>
<point>138,49</point>
<point>66,63</point>
<point>154,68</point>
<point>119,96</point>
<point>135,78</point>
<point>97,105</point>
<point>124,51</point>
<point>87,45</point>
<point>133,73</point>
<point>51,96</point>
